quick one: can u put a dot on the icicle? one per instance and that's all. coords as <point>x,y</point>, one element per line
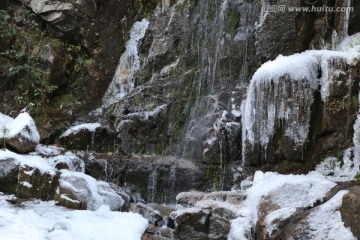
<point>334,40</point>
<point>346,18</point>
<point>165,5</point>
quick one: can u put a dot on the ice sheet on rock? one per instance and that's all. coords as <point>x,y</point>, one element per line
<point>91,127</point>
<point>28,160</point>
<point>350,43</point>
<point>356,142</point>
<point>45,221</point>
<point>23,124</point>
<point>349,167</point>
<point>326,222</point>
<point>129,63</point>
<point>340,171</point>
<point>309,189</point>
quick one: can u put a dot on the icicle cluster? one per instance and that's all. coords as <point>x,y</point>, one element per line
<point>281,93</point>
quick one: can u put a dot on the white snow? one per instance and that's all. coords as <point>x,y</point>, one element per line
<point>5,119</point>
<point>91,127</point>
<point>47,150</point>
<point>326,222</point>
<point>26,184</point>
<point>280,214</point>
<point>280,188</point>
<point>37,220</point>
<point>129,64</point>
<point>28,160</point>
<point>23,124</point>
<point>74,163</point>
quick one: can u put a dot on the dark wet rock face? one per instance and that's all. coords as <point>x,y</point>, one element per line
<point>156,179</point>
<point>100,140</point>
<point>8,175</point>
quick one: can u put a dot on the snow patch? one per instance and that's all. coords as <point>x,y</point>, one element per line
<point>45,221</point>
<point>28,160</point>
<point>91,127</point>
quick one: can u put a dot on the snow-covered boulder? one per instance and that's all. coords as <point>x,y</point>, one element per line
<point>27,176</point>
<point>20,134</point>
<point>79,191</point>
<point>205,216</point>
<point>192,223</point>
<point>34,182</point>
<point>88,136</point>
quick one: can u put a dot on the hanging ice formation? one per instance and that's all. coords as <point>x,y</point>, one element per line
<point>129,64</point>
<point>281,93</point>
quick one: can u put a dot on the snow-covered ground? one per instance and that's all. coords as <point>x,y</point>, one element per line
<point>38,220</point>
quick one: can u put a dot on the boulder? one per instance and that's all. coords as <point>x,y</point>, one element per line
<point>9,171</point>
<point>349,210</point>
<point>189,199</point>
<point>20,134</point>
<point>88,136</point>
<point>79,191</point>
<point>33,182</point>
<point>329,219</point>
<point>213,210</point>
<point>192,223</point>
<point>152,215</point>
<point>153,232</point>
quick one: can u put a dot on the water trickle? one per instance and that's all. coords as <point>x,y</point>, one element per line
<point>165,5</point>
<point>152,184</point>
<point>129,64</point>
<point>222,166</point>
<point>172,181</point>
<point>92,141</point>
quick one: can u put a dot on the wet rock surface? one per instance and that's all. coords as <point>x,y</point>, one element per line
<point>156,179</point>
